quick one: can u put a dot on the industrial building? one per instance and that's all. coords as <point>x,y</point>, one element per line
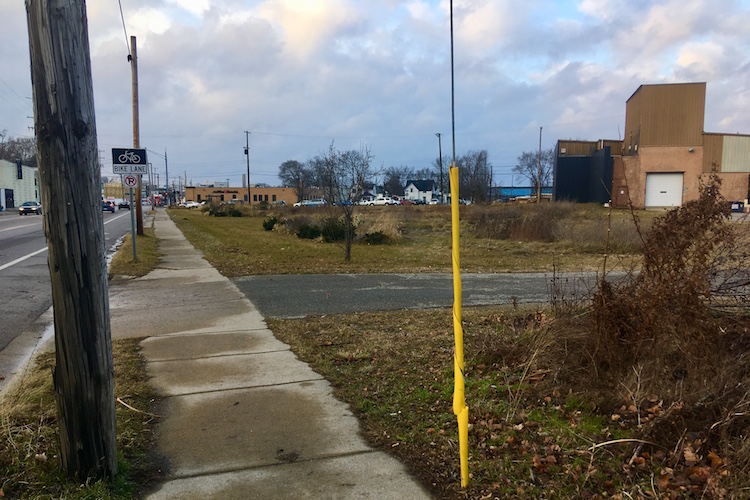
<point>18,183</point>
<point>661,159</point>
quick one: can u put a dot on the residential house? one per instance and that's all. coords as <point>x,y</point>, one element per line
<point>424,191</point>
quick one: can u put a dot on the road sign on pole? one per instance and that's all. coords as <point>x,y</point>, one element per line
<point>129,161</point>
<point>130,180</point>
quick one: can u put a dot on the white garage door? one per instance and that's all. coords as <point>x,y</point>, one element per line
<point>664,190</point>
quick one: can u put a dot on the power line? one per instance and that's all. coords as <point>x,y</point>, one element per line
<point>127,43</point>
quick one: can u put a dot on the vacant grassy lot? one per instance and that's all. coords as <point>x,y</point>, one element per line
<point>543,423</point>
<point>499,238</point>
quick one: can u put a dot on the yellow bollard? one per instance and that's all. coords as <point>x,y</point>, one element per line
<point>459,397</point>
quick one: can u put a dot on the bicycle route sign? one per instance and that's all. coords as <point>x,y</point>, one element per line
<point>129,161</point>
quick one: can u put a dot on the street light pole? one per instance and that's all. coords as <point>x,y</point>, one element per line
<point>440,162</point>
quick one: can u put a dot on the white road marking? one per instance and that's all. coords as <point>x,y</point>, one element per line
<point>32,254</point>
<point>17,227</point>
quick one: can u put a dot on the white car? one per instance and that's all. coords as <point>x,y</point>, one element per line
<point>383,201</point>
<point>192,204</point>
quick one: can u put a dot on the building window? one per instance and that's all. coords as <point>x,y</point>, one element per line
<point>19,170</point>
<point>255,197</point>
<point>274,197</point>
<point>266,198</point>
<point>234,196</point>
<point>199,199</point>
<point>245,197</point>
<point>222,197</point>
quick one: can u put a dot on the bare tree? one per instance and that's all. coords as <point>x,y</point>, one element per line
<point>350,171</point>
<point>296,175</point>
<point>474,175</point>
<point>528,167</point>
<point>69,183</point>
<point>19,148</point>
<point>395,179</point>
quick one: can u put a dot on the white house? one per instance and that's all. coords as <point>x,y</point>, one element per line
<point>423,191</point>
<point>18,183</point>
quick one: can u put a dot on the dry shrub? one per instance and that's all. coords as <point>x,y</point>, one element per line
<point>520,223</point>
<point>380,221</point>
<point>591,235</point>
<point>667,305</point>
<point>661,348</point>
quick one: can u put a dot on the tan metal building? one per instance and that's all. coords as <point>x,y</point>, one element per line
<point>665,152</point>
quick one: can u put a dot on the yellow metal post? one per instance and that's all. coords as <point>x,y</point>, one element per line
<point>459,398</point>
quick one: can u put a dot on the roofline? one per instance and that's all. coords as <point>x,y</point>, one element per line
<point>661,85</point>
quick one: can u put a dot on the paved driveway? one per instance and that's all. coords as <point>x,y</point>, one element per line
<point>291,296</point>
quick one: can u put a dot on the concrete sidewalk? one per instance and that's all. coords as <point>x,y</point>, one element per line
<point>243,417</point>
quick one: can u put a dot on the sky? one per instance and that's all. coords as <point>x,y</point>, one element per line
<point>299,74</point>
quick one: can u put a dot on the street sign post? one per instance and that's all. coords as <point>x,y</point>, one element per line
<point>133,162</point>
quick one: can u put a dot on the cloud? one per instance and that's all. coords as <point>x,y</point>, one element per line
<point>298,74</point>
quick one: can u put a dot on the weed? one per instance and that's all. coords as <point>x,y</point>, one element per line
<point>269,222</point>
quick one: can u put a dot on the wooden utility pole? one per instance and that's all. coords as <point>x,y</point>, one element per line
<point>247,153</point>
<point>69,177</point>
<point>136,136</point>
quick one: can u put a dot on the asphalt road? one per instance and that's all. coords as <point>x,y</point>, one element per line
<point>293,296</point>
<point>25,292</point>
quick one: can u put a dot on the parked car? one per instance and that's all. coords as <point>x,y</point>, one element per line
<point>123,204</point>
<point>310,203</point>
<point>30,207</point>
<point>404,201</point>
<point>386,200</point>
<point>191,204</point>
<point>108,206</point>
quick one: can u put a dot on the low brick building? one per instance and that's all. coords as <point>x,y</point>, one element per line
<point>271,195</point>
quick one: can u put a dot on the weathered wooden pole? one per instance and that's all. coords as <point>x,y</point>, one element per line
<point>136,136</point>
<point>69,176</point>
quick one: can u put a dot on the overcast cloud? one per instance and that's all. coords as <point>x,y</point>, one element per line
<point>300,73</point>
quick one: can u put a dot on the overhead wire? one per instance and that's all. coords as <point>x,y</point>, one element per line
<point>127,42</point>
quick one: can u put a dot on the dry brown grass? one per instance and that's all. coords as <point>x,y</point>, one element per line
<point>28,433</point>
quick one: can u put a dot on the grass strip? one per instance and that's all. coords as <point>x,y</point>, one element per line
<point>147,255</point>
<point>29,449</point>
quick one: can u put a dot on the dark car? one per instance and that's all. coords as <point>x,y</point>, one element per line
<point>123,204</point>
<point>30,207</point>
<point>108,206</point>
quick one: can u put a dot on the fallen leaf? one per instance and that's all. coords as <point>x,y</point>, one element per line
<point>716,462</point>
<point>663,481</point>
<point>690,456</point>
<point>699,474</point>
